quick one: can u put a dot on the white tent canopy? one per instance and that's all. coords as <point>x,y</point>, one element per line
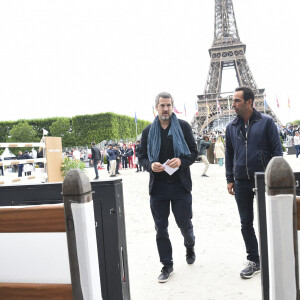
<point>7,153</point>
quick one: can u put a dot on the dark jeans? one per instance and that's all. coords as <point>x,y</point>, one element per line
<point>163,194</point>
<point>244,196</point>
<point>124,162</point>
<point>108,163</point>
<point>297,147</point>
<point>118,161</point>
<point>139,166</point>
<point>96,161</point>
<point>20,170</point>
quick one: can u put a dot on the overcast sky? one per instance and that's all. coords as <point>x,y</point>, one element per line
<point>66,58</point>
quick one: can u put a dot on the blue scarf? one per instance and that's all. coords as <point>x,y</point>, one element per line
<point>179,144</point>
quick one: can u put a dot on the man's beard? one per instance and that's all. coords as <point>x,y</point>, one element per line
<point>164,118</point>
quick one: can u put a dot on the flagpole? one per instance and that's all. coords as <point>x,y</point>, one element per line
<point>136,130</point>
<point>135,119</point>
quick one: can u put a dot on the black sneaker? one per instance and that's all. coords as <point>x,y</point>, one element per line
<point>251,269</point>
<point>204,175</point>
<point>96,178</point>
<point>165,274</point>
<point>190,255</point>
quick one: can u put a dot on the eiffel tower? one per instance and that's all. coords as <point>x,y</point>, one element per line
<point>227,51</point>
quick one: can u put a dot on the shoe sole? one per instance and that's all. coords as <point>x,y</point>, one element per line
<point>165,280</point>
<point>249,276</point>
<point>190,263</point>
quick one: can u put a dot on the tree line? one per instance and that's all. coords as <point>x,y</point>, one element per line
<point>75,131</point>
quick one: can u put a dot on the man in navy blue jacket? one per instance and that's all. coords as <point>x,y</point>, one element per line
<point>252,139</point>
<point>112,156</point>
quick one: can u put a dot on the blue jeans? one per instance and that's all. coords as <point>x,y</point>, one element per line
<point>163,194</point>
<point>96,167</point>
<point>297,147</point>
<point>244,196</point>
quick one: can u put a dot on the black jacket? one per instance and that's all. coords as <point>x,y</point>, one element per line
<point>184,170</point>
<point>96,154</point>
<point>138,150</point>
<point>247,154</point>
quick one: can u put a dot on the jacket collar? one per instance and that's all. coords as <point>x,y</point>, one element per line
<point>256,116</point>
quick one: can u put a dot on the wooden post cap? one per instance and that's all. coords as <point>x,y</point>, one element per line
<point>279,177</point>
<point>76,183</point>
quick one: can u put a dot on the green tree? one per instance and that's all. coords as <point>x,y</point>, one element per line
<point>62,128</point>
<point>296,122</point>
<point>22,132</point>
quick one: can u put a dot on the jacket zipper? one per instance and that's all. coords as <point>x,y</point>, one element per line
<point>246,144</point>
<point>263,160</point>
<point>247,159</point>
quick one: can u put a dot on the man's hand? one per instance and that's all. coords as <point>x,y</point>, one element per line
<point>91,161</point>
<point>174,163</point>
<point>157,167</point>
<point>230,188</point>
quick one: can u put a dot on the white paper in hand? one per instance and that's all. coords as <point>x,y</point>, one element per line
<point>168,169</point>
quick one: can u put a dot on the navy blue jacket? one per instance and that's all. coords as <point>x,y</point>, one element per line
<point>184,170</point>
<point>112,154</point>
<point>247,154</point>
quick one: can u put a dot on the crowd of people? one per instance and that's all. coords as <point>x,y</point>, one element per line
<point>118,156</point>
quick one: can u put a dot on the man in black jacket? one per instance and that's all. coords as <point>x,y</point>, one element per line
<point>252,139</point>
<point>167,146</point>
<point>137,153</point>
<point>96,157</point>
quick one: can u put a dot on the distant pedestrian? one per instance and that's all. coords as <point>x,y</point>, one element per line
<point>112,156</point>
<point>107,159</point>
<point>27,167</point>
<point>20,166</point>
<point>118,158</point>
<point>96,157</point>
<point>129,154</point>
<point>204,144</point>
<point>297,143</point>
<point>124,157</point>
<point>76,154</point>
<point>252,139</point>
<point>137,153</point>
<point>219,151</point>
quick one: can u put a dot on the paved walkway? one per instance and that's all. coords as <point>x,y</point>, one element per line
<point>219,245</point>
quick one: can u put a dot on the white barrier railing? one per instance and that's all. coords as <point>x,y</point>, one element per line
<point>16,145</point>
<point>12,162</point>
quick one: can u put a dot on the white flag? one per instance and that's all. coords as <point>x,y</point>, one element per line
<point>45,132</point>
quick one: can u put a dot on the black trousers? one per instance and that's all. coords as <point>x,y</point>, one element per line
<point>244,197</point>
<point>165,194</point>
